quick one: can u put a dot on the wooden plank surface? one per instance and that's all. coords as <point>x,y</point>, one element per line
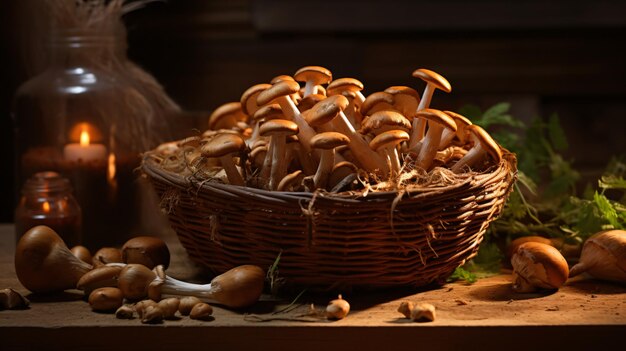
<point>585,314</point>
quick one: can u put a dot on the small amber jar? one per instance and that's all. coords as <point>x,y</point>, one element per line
<point>47,200</point>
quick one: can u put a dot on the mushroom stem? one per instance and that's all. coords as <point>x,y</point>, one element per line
<point>430,145</point>
<point>305,131</point>
<point>278,170</point>
<point>234,177</point>
<point>369,160</point>
<point>473,156</point>
<point>324,168</point>
<point>239,287</point>
<point>419,124</point>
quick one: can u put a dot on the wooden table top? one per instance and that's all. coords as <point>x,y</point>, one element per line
<point>585,314</point>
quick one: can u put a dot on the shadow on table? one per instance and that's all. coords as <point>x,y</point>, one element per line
<point>504,292</point>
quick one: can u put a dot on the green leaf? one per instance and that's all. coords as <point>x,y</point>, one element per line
<point>612,182</point>
<point>461,274</point>
<point>556,133</point>
<point>607,210</point>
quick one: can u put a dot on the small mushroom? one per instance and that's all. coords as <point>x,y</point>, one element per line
<point>423,312</point>
<point>337,308</point>
<point>604,256</point>
<point>141,306</point>
<point>82,253</point>
<point>326,142</point>
<point>187,303</point>
<point>152,315</point>
<point>280,93</point>
<point>386,143</point>
<point>106,299</point>
<point>278,130</point>
<point>538,266</point>
<point>12,300</point>
<point>227,116</point>
<point>405,100</point>
<point>340,171</point>
<point>226,147</point>
<point>134,280</point>
<point>103,276</point>
<point>201,311</point>
<point>351,89</point>
<point>438,121</point>
<point>107,255</point>
<point>484,146</point>
<point>406,307</point>
<point>448,135</point>
<point>169,307</point>
<point>433,81</point>
<point>378,101</point>
<point>385,120</point>
<point>331,109</point>
<point>291,181</point>
<point>125,312</point>
<point>149,251</point>
<point>313,76</point>
<point>249,98</point>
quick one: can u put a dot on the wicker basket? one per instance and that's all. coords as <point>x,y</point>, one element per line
<point>336,241</point>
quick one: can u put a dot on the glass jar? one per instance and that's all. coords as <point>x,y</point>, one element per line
<point>82,118</point>
<point>47,200</point>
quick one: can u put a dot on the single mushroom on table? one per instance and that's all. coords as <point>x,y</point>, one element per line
<point>312,76</point>
<point>484,146</point>
<point>538,266</point>
<point>226,146</point>
<point>279,93</point>
<point>278,130</point>
<point>604,256</point>
<point>44,264</point>
<point>433,81</point>
<point>438,121</point>
<point>327,142</point>
<point>238,287</point>
<point>386,143</point>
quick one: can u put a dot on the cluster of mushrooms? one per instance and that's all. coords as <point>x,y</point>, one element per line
<point>130,280</point>
<point>325,134</point>
<point>538,262</point>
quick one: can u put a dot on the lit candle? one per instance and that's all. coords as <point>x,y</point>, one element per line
<point>84,151</point>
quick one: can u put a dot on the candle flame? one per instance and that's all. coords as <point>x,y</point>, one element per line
<point>46,206</point>
<point>111,169</point>
<point>84,138</point>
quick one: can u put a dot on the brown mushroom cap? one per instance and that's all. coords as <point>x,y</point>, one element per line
<point>281,78</point>
<point>278,126</point>
<point>226,116</point>
<point>282,88</point>
<point>388,139</point>
<point>375,99</point>
<point>223,144</point>
<point>344,84</point>
<point>540,264</point>
<point>309,101</point>
<point>268,112</point>
<point>325,110</point>
<point>249,98</point>
<point>291,180</point>
<point>316,74</point>
<point>433,78</point>
<point>329,140</point>
<point>461,122</point>
<point>384,120</point>
<point>487,142</point>
<point>437,116</point>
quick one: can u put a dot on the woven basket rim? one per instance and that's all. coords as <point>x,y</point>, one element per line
<point>508,162</point>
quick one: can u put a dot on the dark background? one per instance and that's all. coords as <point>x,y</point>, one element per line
<point>563,56</point>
